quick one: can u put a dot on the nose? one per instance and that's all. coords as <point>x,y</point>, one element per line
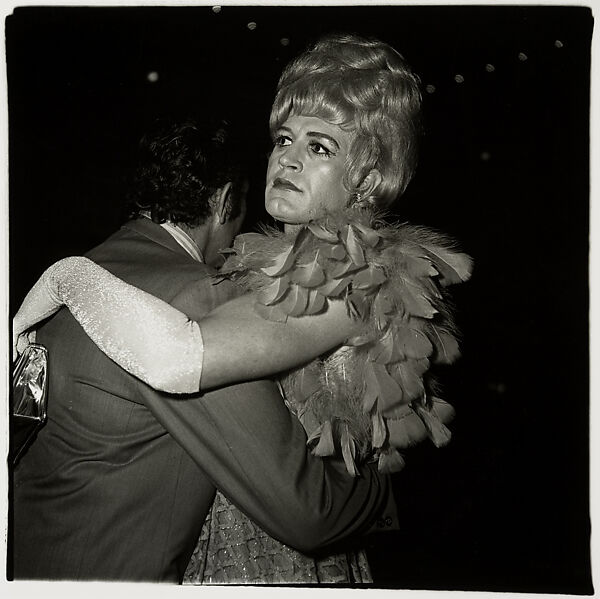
<point>289,159</point>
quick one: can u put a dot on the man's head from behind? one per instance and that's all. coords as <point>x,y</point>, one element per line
<point>183,166</point>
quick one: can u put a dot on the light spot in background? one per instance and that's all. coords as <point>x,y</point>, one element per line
<point>485,156</point>
<point>152,76</point>
<point>430,89</point>
<point>558,44</point>
<point>497,387</point>
<point>522,56</point>
<point>490,68</point>
<point>251,25</point>
<point>284,41</point>
<point>459,78</point>
<point>216,9</point>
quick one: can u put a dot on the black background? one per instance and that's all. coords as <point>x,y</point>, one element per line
<point>504,168</point>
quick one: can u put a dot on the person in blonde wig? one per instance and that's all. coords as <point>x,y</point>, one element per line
<point>347,310</point>
<point>364,86</point>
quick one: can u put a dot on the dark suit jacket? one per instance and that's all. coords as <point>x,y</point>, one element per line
<point>119,481</point>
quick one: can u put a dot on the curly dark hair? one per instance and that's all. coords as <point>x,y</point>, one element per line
<point>181,165</point>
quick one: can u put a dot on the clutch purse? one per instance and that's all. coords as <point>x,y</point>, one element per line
<point>29,398</point>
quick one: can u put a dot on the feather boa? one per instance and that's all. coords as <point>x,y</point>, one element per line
<point>374,395</point>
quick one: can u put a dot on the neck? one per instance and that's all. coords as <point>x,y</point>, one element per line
<point>290,228</point>
<point>199,234</point>
<point>208,242</point>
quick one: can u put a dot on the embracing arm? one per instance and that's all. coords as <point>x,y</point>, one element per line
<point>241,345</point>
<point>164,348</point>
<point>254,450</point>
<point>127,324</point>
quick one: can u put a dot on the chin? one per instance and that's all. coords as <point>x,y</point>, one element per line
<point>279,210</point>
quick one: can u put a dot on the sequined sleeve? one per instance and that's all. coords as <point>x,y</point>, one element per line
<point>143,334</point>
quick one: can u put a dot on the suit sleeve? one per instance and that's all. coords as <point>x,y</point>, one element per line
<point>254,450</point>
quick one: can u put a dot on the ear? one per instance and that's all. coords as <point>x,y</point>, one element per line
<point>222,196</point>
<point>370,183</point>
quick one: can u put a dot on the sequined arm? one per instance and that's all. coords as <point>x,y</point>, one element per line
<point>38,305</point>
<point>146,336</point>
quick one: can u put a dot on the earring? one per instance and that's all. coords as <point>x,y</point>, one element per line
<point>359,201</point>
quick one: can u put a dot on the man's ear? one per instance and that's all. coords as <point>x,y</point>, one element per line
<point>223,197</point>
<point>370,183</point>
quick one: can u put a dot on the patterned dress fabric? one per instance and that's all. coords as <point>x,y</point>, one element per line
<point>234,550</point>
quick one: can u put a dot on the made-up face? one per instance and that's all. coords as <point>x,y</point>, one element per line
<point>306,170</point>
